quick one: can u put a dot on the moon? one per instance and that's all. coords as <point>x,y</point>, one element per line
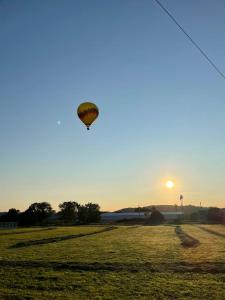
<point>169,184</point>
<point>59,123</point>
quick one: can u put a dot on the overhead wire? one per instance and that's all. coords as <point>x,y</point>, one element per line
<point>217,69</point>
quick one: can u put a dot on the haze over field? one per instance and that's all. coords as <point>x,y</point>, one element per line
<point>161,104</point>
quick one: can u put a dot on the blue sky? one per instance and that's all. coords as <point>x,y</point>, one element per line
<point>161,104</point>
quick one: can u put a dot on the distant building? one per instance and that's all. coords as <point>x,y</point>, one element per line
<point>113,217</point>
<point>8,225</point>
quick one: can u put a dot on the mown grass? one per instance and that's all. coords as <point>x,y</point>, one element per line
<point>139,262</point>
<point>211,248</point>
<point>186,239</point>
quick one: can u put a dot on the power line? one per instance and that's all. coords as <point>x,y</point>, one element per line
<point>191,40</point>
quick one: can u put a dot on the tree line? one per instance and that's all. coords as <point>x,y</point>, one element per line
<point>212,215</point>
<point>41,213</point>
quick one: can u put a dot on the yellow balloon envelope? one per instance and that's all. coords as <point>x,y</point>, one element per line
<point>88,113</point>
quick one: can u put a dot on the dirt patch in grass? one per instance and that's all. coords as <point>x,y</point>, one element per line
<point>58,239</point>
<point>182,267</point>
<point>30,231</point>
<point>186,239</point>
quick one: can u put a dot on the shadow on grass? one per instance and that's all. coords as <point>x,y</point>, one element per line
<point>58,239</point>
<point>30,231</point>
<point>181,267</point>
<point>212,231</point>
<point>186,239</point>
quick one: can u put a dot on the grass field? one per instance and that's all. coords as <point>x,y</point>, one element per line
<point>103,262</point>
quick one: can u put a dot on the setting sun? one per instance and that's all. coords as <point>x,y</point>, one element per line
<point>169,184</point>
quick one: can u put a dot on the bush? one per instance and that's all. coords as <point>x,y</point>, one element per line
<point>156,218</point>
<point>215,215</point>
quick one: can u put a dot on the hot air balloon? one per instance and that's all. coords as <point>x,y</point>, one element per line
<point>88,113</point>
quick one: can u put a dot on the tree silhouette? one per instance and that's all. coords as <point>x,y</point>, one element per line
<point>69,211</point>
<point>156,218</point>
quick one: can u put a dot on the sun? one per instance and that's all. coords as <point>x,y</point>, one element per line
<point>169,184</point>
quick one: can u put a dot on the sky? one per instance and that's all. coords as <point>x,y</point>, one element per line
<point>162,106</point>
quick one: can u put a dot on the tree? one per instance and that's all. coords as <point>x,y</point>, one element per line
<point>69,211</point>
<point>11,216</point>
<point>195,216</point>
<point>215,215</point>
<point>156,218</point>
<point>89,213</point>
<point>36,213</point>
<point>199,215</point>
<point>93,212</point>
<point>83,214</point>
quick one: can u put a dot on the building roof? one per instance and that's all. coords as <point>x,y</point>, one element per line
<point>133,215</point>
<point>176,213</point>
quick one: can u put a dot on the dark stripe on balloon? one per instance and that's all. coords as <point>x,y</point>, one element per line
<point>88,111</point>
